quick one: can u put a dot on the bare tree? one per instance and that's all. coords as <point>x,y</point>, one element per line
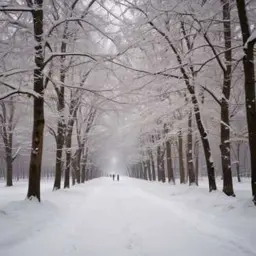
<point>7,128</point>
<point>249,41</point>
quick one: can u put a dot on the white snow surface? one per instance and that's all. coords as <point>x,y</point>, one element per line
<point>130,217</point>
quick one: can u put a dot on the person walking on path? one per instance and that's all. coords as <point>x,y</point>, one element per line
<point>117,176</point>
<point>113,176</point>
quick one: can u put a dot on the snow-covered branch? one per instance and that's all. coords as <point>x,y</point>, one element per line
<point>19,91</point>
<point>15,9</point>
<point>54,55</point>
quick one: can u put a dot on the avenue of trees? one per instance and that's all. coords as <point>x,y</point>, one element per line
<point>178,76</point>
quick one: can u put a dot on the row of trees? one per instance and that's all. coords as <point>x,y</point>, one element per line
<point>200,40</point>
<point>175,70</point>
<point>50,38</point>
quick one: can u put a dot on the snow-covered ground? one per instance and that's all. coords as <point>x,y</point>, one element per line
<point>132,217</point>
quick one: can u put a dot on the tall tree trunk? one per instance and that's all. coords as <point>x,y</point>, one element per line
<point>38,109</point>
<point>145,174</point>
<point>181,163</point>
<point>141,170</point>
<point>249,85</point>
<point>83,165</point>
<point>191,172</point>
<point>225,124</point>
<point>205,143</point>
<point>152,160</point>
<point>73,174</point>
<point>59,140</point>
<point>153,166</point>
<point>163,176</point>
<point>9,171</point>
<point>149,169</point>
<point>169,162</point>
<point>68,153</point>
<point>77,166</point>
<point>158,161</point>
<point>87,173</point>
<point>238,163</point>
<point>196,153</point>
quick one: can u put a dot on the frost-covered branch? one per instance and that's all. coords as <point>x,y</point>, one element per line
<point>15,9</point>
<point>19,91</point>
<point>14,156</point>
<point>54,55</point>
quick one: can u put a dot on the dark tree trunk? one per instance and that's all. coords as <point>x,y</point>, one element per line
<point>38,110</point>
<point>7,135</point>
<point>153,168</point>
<point>163,176</point>
<point>238,163</point>
<point>161,164</point>
<point>145,174</point>
<point>249,85</point>
<point>90,172</point>
<point>87,173</point>
<point>9,174</point>
<point>59,141</point>
<point>78,164</point>
<point>141,171</point>
<point>205,143</point>
<point>169,162</point>
<point>149,169</point>
<point>191,172</point>
<point>68,154</point>
<point>225,150</point>
<point>73,176</point>
<point>68,160</point>
<point>151,157</point>
<point>225,124</point>
<point>83,165</point>
<point>196,153</point>
<point>181,163</point>
<point>158,161</point>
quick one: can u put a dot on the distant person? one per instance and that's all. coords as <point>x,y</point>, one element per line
<point>113,176</point>
<point>117,177</point>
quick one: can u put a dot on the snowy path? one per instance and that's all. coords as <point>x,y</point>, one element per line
<point>113,219</point>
